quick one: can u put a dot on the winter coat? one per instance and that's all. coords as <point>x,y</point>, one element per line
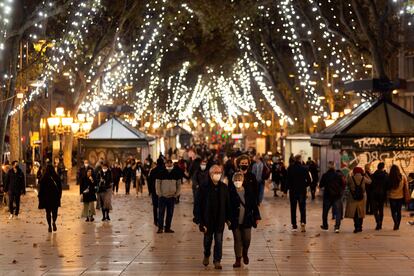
<point>380,185</point>
<point>331,177</point>
<point>82,173</point>
<point>353,205</point>
<point>251,210</point>
<point>116,174</point>
<point>168,184</point>
<point>398,193</point>
<point>104,180</point>
<point>128,174</point>
<point>90,187</point>
<point>213,207</point>
<point>201,178</point>
<point>298,179</point>
<point>15,182</point>
<point>250,184</point>
<point>50,191</point>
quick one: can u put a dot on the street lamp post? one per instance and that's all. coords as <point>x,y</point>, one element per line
<point>60,125</point>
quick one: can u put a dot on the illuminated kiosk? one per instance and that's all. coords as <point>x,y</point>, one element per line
<point>115,141</point>
<point>373,132</point>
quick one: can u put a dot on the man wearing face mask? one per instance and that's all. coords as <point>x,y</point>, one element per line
<point>211,213</point>
<point>168,188</point>
<point>244,215</point>
<point>249,182</point>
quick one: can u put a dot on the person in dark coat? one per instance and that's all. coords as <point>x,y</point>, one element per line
<point>379,186</point>
<point>249,182</point>
<point>152,176</point>
<point>128,175</point>
<point>104,179</point>
<point>244,215</point>
<point>15,186</point>
<point>201,178</point>
<point>116,176</point>
<point>82,172</point>
<point>314,171</point>
<point>333,185</point>
<point>298,179</point>
<point>212,212</point>
<point>88,192</point>
<point>50,194</point>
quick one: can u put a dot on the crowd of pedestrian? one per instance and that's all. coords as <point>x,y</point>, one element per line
<point>227,190</point>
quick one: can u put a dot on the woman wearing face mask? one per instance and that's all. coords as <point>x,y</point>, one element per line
<point>244,215</point>
<point>104,179</point>
<point>249,179</point>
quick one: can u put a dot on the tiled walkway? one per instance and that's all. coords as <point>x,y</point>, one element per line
<point>128,245</point>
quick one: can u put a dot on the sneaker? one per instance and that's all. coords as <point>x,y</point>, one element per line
<point>302,228</point>
<point>169,231</point>
<point>217,265</point>
<point>337,230</point>
<point>92,219</point>
<point>87,219</point>
<point>294,228</point>
<point>206,261</point>
<point>11,216</point>
<point>107,218</point>
<point>159,231</point>
<point>325,228</point>
<point>103,219</point>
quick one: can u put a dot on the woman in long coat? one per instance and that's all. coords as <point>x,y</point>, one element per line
<point>355,208</point>
<point>88,192</point>
<point>104,179</point>
<point>50,193</point>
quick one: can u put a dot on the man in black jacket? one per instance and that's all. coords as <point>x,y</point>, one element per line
<point>212,212</point>
<point>298,179</point>
<point>15,186</point>
<point>333,185</point>
<point>379,187</point>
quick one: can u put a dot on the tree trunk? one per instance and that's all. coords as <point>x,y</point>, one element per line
<point>14,137</point>
<point>67,151</point>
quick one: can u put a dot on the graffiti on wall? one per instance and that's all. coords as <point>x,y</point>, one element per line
<point>351,159</point>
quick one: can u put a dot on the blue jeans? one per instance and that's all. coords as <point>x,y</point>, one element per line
<point>261,190</point>
<point>165,204</point>
<point>396,206</point>
<point>296,199</point>
<point>218,245</point>
<point>336,208</point>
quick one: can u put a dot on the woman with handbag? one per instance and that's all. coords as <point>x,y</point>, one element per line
<point>88,195</point>
<point>104,179</point>
<point>398,194</point>
<point>50,193</point>
<point>244,215</point>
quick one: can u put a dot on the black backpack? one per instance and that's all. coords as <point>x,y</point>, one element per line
<point>334,188</point>
<point>358,194</point>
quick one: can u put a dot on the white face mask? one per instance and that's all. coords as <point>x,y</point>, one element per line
<point>104,170</point>
<point>169,168</point>
<point>216,177</point>
<point>203,167</point>
<point>238,184</point>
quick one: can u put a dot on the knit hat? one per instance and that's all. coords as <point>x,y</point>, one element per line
<point>358,170</point>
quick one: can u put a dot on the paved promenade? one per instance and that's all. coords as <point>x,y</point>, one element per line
<point>128,245</point>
